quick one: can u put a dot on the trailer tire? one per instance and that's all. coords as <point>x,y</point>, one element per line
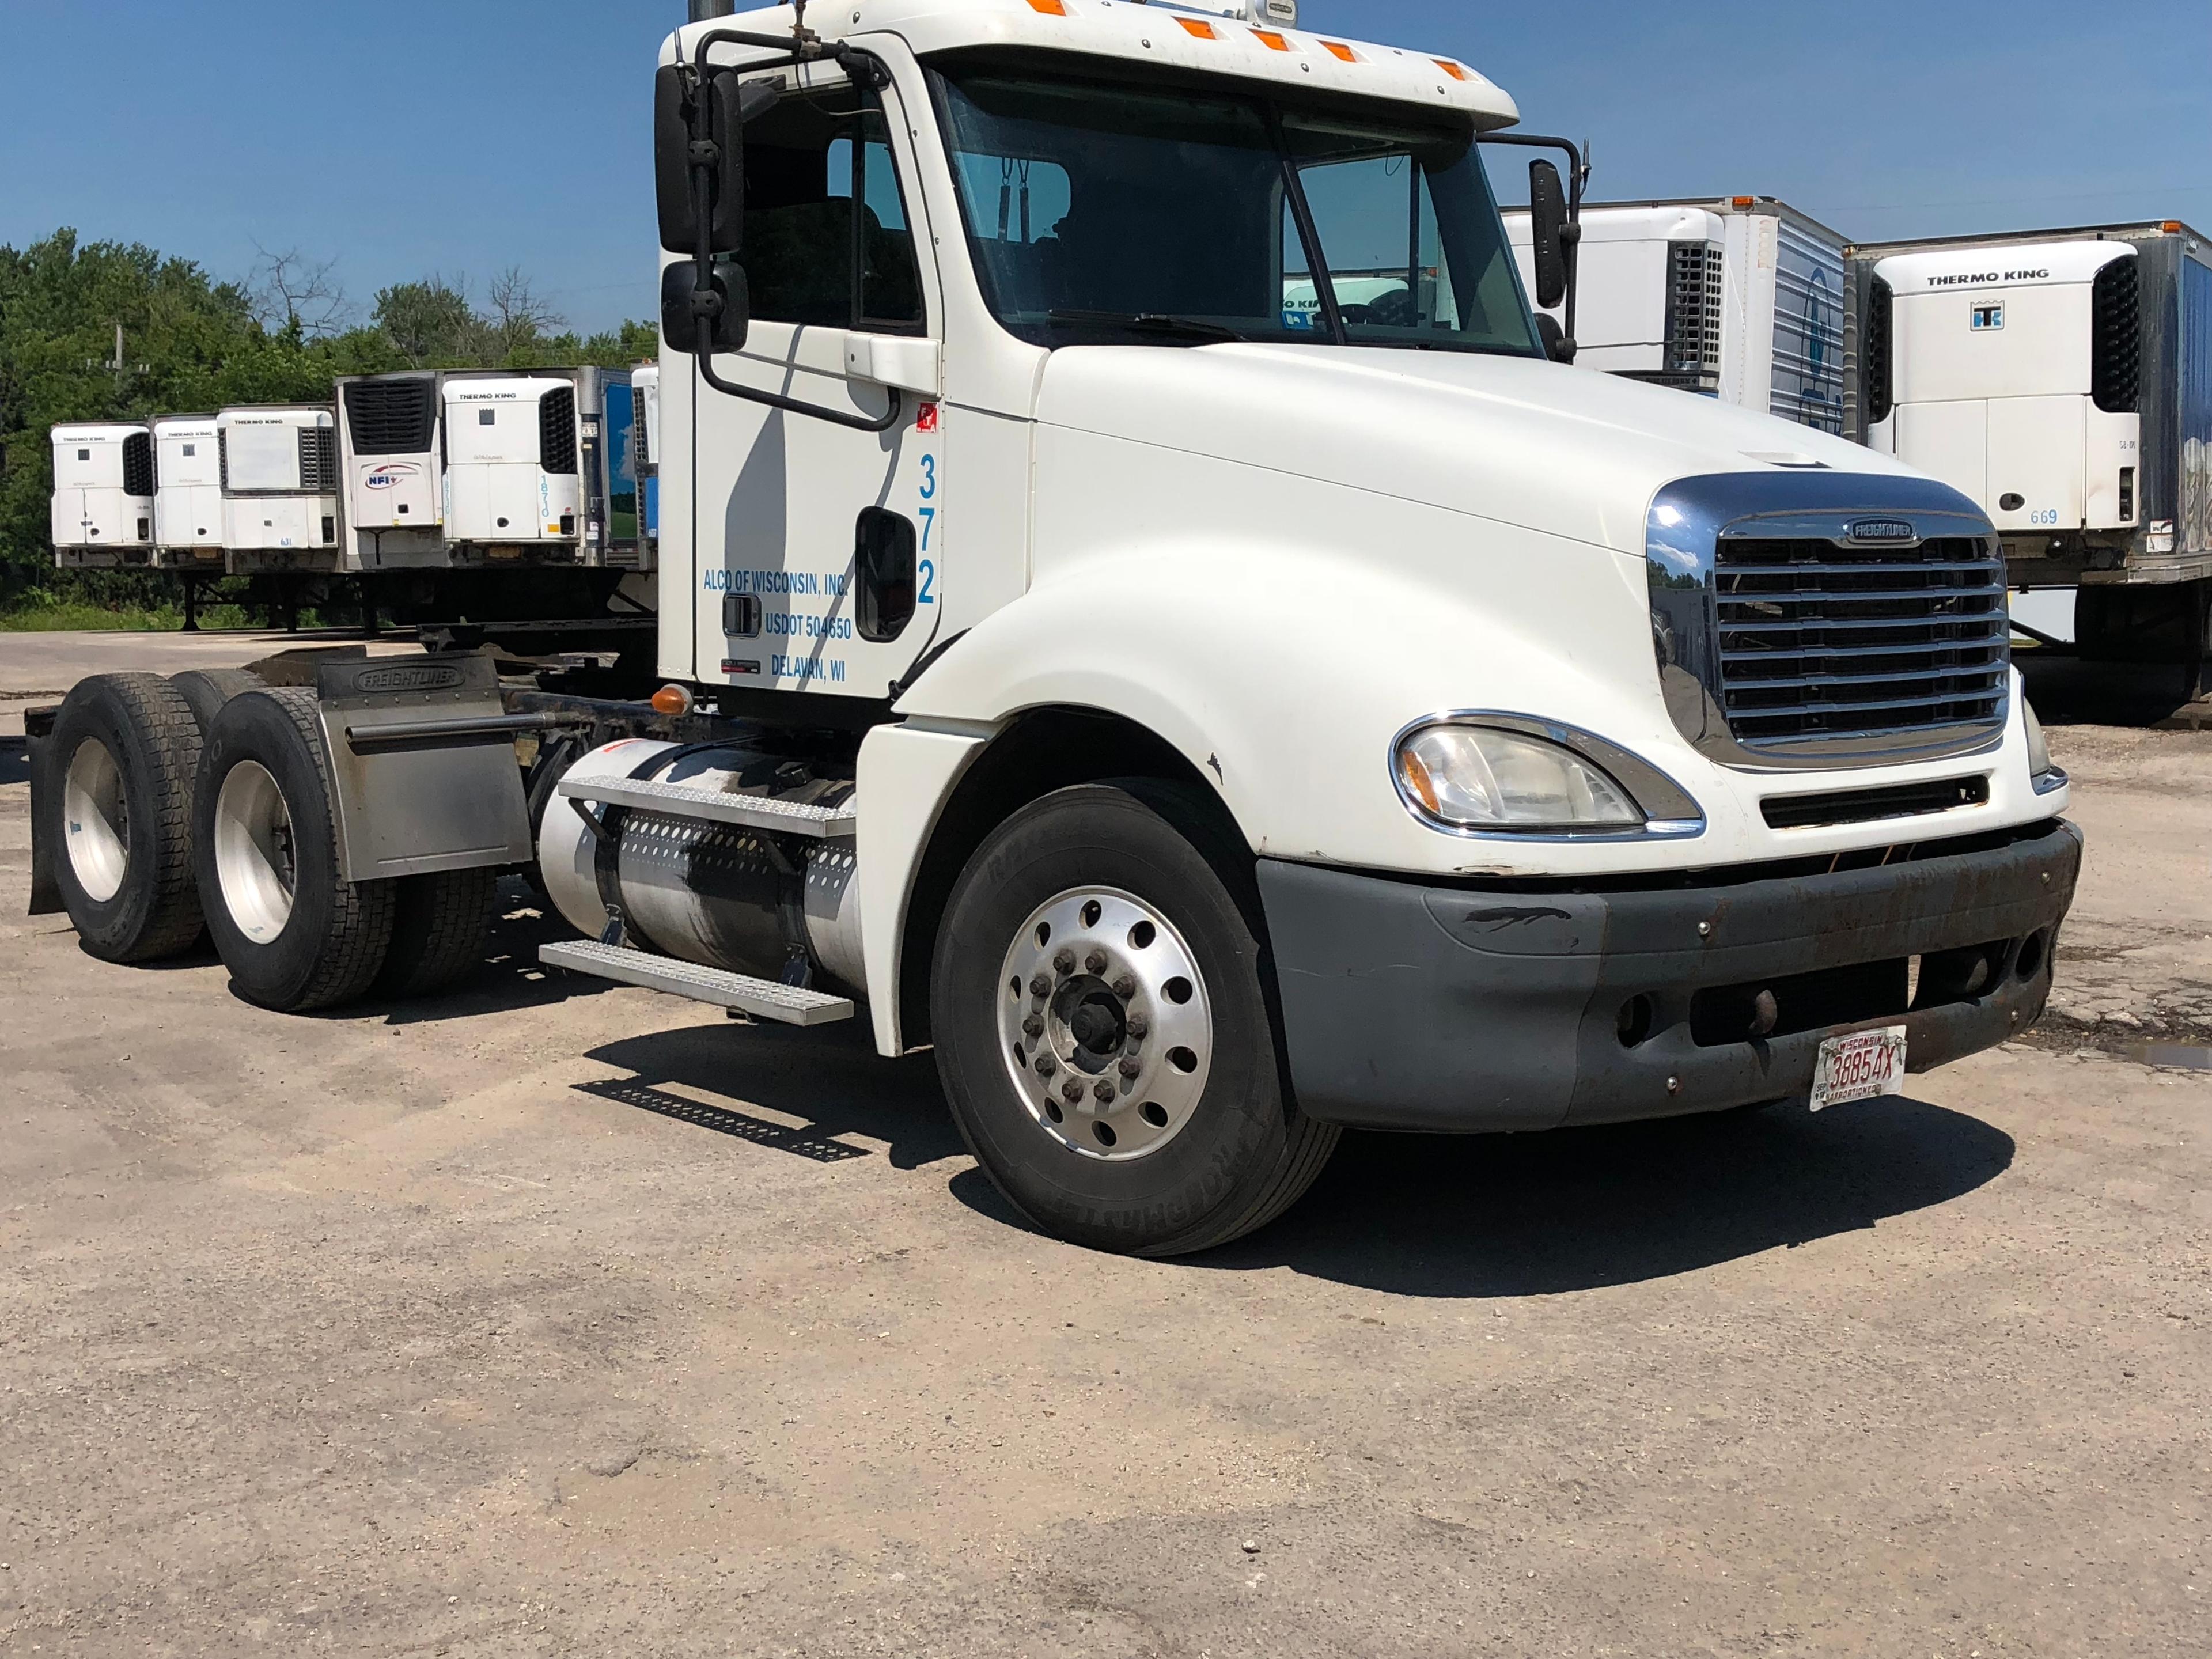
<point>208,688</point>
<point>295,934</point>
<point>119,817</point>
<point>441,929</point>
<point>1118,863</point>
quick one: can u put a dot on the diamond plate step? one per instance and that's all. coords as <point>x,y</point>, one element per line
<point>764,999</point>
<point>674,800</point>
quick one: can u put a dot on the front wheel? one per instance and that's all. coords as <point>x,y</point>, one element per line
<point>1103,1026</point>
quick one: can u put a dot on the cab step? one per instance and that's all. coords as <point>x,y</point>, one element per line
<point>764,999</point>
<point>674,800</point>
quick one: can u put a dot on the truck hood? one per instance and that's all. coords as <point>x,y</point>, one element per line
<point>1566,451</point>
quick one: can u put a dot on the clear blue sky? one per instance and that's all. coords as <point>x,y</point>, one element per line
<point>466,136</point>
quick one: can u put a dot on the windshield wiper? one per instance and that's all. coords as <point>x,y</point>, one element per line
<point>1147,322</point>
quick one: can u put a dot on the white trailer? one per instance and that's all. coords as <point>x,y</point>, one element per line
<point>102,511</point>
<point>188,493</point>
<point>2063,381</point>
<point>280,489</point>
<point>527,475</point>
<point>1740,299</point>
<point>1206,723</point>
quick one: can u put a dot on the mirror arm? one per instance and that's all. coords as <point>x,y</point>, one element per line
<point>706,304</point>
<point>1578,173</point>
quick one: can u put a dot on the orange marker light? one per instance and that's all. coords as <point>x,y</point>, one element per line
<point>1050,8</point>
<point>1339,49</point>
<point>1272,41</point>
<point>2172,227</point>
<point>675,700</point>
<point>1198,27</point>
<point>1453,69</point>
<point>1743,201</point>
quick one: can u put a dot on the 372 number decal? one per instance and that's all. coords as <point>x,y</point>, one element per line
<point>926,594</point>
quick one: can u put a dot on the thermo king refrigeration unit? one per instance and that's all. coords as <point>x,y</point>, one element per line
<point>280,488</point>
<point>102,511</point>
<point>527,476</point>
<point>187,494</point>
<point>1740,299</point>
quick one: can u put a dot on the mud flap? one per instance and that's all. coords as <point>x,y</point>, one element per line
<point>45,886</point>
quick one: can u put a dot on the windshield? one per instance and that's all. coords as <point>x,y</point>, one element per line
<point>1098,212</point>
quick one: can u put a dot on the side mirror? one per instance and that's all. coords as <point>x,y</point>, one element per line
<point>1547,224</point>
<point>718,319</point>
<point>680,155</point>
<point>1557,346</point>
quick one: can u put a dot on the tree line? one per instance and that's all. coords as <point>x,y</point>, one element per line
<point>190,342</point>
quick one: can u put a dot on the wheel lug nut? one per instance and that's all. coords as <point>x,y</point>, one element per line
<point>1095,961</point>
<point>1033,1026</point>
<point>1065,962</point>
<point>1105,1092</point>
<point>1047,1065</point>
<point>1041,986</point>
<point>1070,1091</point>
<point>1126,988</point>
<point>1132,1069</point>
<point>1140,1026</point>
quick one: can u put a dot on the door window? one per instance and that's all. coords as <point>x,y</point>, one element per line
<point>827,237</point>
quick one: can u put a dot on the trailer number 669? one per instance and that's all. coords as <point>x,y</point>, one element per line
<point>927,573</point>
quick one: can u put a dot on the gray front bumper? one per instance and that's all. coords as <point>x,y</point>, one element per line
<point>1465,1010</point>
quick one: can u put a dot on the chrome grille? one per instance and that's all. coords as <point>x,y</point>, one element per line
<point>1827,639</point>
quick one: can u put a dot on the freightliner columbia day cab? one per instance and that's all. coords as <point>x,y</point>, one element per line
<point>1145,617</point>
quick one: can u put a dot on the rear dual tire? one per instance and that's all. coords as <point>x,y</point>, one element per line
<point>125,748</point>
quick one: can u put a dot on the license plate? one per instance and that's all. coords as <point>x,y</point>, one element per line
<point>1859,1068</point>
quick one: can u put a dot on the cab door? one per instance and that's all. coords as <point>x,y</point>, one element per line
<point>831,538</point>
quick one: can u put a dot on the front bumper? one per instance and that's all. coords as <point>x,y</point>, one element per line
<point>1466,1010</point>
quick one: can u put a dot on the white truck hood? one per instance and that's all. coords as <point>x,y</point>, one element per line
<point>1568,452</point>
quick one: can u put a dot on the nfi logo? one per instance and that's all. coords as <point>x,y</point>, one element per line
<point>390,475</point>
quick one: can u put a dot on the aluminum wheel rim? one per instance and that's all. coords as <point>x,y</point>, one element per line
<point>253,852</point>
<point>1104,1024</point>
<point>97,817</point>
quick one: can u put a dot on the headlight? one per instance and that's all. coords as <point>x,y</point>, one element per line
<point>1476,777</point>
<point>2042,772</point>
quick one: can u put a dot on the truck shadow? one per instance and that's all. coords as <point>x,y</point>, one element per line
<point>822,1084</point>
<point>511,979</point>
<point>15,761</point>
<point>1529,1215</point>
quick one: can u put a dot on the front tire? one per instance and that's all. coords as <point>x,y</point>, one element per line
<point>1105,1035</point>
<point>295,934</point>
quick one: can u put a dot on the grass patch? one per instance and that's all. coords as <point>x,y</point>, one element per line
<point>70,617</point>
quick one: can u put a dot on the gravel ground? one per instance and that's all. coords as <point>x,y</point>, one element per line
<point>550,1320</point>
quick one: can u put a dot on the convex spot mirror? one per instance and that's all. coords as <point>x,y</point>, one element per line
<point>721,324</point>
<point>689,141</point>
<point>1547,224</point>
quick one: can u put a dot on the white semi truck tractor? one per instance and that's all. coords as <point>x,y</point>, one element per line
<point>1208,720</point>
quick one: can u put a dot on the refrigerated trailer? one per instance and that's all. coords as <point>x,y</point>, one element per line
<point>2063,381</point>
<point>102,509</point>
<point>393,461</point>
<point>1205,725</point>
<point>1740,299</point>
<point>188,493</point>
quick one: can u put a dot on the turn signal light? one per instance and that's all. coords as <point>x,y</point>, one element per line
<point>674,701</point>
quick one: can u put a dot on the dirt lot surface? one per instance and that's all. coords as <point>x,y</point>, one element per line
<point>557,1320</point>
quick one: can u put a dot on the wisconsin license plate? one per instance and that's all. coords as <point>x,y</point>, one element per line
<point>1859,1068</point>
